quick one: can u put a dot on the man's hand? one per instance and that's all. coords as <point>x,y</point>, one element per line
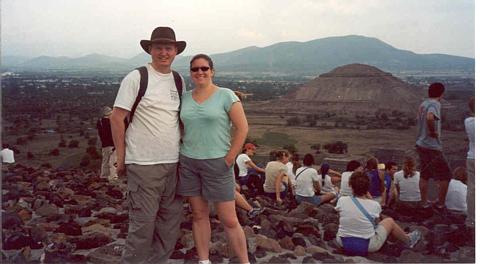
<point>229,160</point>
<point>121,169</point>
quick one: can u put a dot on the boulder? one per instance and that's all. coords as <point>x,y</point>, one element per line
<point>47,210</point>
<point>108,254</point>
<point>92,240</point>
<point>330,231</point>
<point>299,251</point>
<point>268,244</point>
<point>287,243</point>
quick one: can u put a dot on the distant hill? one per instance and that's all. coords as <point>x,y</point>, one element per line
<point>291,58</point>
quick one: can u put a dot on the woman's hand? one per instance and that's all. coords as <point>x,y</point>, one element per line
<point>229,160</point>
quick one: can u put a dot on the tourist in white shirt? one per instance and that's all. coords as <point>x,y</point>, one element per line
<point>307,183</point>
<point>353,223</point>
<point>244,163</point>
<point>470,129</point>
<point>352,166</point>
<point>407,183</point>
<point>456,200</point>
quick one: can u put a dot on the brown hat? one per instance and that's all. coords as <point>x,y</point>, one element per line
<point>163,35</point>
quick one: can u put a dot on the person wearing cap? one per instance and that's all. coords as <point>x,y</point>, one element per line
<point>245,163</point>
<point>148,151</point>
<point>104,130</point>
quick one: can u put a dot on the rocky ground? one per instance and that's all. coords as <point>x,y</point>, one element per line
<point>53,216</point>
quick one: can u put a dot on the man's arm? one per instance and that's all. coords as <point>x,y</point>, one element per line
<point>431,125</point>
<point>118,134</point>
<point>251,164</point>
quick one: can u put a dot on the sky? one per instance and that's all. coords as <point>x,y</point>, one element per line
<point>76,28</point>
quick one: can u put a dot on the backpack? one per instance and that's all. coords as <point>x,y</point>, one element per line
<point>143,88</point>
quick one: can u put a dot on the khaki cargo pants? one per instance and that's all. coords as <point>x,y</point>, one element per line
<point>155,213</point>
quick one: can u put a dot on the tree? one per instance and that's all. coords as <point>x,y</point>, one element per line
<point>54,152</point>
<point>338,147</point>
<point>316,147</point>
<point>293,121</point>
<point>291,148</point>
<point>73,144</point>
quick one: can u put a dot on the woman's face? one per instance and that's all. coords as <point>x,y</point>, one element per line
<point>201,72</point>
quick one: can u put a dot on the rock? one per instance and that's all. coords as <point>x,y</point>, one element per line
<point>308,229</point>
<point>114,218</point>
<point>268,244</point>
<point>92,240</point>
<point>309,259</point>
<point>287,243</point>
<point>409,256</point>
<point>298,241</point>
<point>47,210</point>
<point>322,256</point>
<point>299,251</point>
<point>177,254</point>
<point>71,228</point>
<point>11,220</point>
<point>251,244</point>
<point>48,227</point>
<point>97,228</point>
<point>248,231</point>
<point>108,210</point>
<point>316,249</point>
<point>330,231</point>
<point>303,210</point>
<point>38,233</point>
<point>58,252</point>
<point>187,240</point>
<point>278,259</point>
<point>466,255</point>
<point>107,254</point>
<point>260,253</point>
<point>16,240</point>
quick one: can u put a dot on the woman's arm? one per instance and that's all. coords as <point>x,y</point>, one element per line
<point>334,173</point>
<point>278,186</point>
<point>251,164</point>
<point>239,121</point>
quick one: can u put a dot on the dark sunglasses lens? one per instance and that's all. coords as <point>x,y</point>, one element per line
<point>196,69</point>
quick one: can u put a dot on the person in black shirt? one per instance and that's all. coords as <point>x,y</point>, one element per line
<point>105,134</point>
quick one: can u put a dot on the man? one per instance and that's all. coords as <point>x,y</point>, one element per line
<point>389,193</point>
<point>147,152</point>
<point>470,129</point>
<point>105,133</point>
<point>429,147</point>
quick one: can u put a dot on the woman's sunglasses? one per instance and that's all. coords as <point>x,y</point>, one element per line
<point>195,69</point>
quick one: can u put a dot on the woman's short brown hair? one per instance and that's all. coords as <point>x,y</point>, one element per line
<point>360,183</point>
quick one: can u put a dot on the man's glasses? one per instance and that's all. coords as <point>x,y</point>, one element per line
<point>196,69</point>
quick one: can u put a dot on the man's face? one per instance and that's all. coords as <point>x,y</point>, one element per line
<point>163,54</point>
<point>392,170</point>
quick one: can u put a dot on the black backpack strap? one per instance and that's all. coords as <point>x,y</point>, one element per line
<point>178,84</point>
<point>141,90</point>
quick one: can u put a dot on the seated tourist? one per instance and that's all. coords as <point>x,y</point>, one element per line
<point>407,184</point>
<point>456,200</point>
<point>352,166</point>
<point>245,163</point>
<point>328,181</point>
<point>359,231</point>
<point>241,202</point>
<point>376,180</point>
<point>390,193</point>
<point>277,183</point>
<point>307,182</point>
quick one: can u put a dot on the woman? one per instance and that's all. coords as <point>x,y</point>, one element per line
<point>207,155</point>
<point>245,164</point>
<point>329,179</point>
<point>352,166</point>
<point>376,180</point>
<point>277,182</point>
<point>407,184</point>
<point>307,183</point>
<point>358,231</point>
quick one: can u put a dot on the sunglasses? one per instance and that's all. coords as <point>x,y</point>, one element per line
<point>196,69</point>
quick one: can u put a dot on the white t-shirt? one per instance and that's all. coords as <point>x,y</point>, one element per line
<point>345,189</point>
<point>456,196</point>
<point>290,173</point>
<point>409,187</point>
<point>7,155</point>
<point>153,136</point>
<point>304,181</point>
<point>327,186</point>
<point>470,129</point>
<point>241,161</point>
<point>352,221</point>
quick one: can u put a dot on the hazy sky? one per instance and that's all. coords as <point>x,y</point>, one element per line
<point>113,27</point>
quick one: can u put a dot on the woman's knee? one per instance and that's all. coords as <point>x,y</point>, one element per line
<point>230,222</point>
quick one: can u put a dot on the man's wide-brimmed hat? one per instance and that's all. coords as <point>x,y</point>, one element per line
<point>163,35</point>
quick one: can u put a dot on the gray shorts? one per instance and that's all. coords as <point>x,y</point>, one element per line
<point>210,178</point>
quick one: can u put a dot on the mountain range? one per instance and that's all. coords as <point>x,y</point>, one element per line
<point>288,58</point>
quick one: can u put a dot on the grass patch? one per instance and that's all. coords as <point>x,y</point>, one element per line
<point>275,139</point>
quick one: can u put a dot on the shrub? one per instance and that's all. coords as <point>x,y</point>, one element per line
<point>92,151</point>
<point>55,152</point>
<point>62,143</point>
<point>85,161</point>
<point>338,147</point>
<point>30,155</point>
<point>293,121</point>
<point>291,148</point>
<point>73,143</point>
<point>92,141</point>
